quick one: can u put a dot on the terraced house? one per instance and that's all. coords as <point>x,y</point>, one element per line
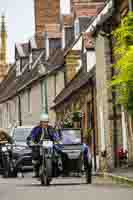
<point>90,94</point>
<point>64,69</point>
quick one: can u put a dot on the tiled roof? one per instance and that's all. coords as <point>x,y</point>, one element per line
<point>12,85</point>
<point>79,81</point>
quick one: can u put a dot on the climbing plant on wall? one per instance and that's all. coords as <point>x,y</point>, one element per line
<point>123,50</point>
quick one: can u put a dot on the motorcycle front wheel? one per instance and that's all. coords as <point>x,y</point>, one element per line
<point>46,172</point>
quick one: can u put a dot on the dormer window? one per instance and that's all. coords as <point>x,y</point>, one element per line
<point>76,28</point>
<point>30,60</point>
<point>18,68</point>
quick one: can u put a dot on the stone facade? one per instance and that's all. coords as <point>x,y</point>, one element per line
<point>103,110</point>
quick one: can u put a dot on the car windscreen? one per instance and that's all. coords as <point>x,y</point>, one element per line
<point>21,134</point>
<point>71,136</point>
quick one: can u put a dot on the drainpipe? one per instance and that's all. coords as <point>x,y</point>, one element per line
<point>19,110</point>
<point>93,125</point>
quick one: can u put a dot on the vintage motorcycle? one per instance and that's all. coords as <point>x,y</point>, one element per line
<point>64,159</point>
<point>6,161</point>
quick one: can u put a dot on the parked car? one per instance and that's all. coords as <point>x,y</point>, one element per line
<point>21,153</point>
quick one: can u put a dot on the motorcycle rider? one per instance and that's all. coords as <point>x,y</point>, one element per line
<point>4,139</point>
<point>43,130</point>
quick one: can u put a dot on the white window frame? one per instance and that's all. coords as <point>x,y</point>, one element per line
<point>47,47</point>
<point>63,38</point>
<point>91,59</point>
<point>76,28</point>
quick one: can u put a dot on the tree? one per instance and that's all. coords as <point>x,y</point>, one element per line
<point>123,50</point>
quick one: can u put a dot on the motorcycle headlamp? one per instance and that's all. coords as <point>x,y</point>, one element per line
<point>4,149</point>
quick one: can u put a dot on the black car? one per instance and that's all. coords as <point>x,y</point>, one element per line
<point>21,153</point>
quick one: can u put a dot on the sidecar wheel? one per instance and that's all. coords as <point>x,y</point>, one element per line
<point>88,177</point>
<point>88,173</point>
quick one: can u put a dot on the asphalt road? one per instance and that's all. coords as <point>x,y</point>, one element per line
<point>63,189</point>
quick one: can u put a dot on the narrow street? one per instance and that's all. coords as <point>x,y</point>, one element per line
<point>65,189</point>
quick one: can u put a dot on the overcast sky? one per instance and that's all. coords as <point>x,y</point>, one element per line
<point>19,21</point>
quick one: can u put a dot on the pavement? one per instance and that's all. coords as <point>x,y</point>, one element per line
<point>125,172</point>
<point>122,175</point>
<point>63,189</point>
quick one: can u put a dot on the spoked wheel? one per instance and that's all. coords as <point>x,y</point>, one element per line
<point>45,171</point>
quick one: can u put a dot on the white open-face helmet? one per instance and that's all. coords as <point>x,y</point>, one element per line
<point>44,117</point>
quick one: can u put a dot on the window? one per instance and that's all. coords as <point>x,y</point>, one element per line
<point>76,28</point>
<point>29,100</point>
<point>91,60</point>
<point>53,45</point>
<point>63,38</point>
<point>47,46</point>
<point>44,100</point>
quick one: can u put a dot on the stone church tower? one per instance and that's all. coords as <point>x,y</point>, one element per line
<point>3,49</point>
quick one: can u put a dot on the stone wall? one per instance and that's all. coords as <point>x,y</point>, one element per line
<point>103,108</point>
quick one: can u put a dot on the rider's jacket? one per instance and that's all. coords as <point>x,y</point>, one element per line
<point>39,133</point>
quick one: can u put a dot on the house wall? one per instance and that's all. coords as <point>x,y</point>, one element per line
<point>30,116</point>
<point>9,113</point>
<point>104,124</point>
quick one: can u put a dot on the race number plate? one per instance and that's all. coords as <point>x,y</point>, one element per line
<point>47,144</point>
